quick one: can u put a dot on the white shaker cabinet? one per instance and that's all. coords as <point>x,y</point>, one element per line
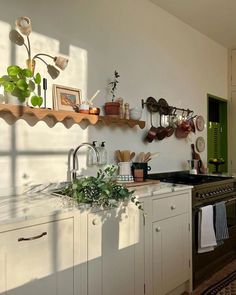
<point>37,258</point>
<point>116,251</point>
<point>171,243</point>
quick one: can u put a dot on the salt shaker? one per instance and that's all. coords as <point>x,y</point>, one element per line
<point>126,110</point>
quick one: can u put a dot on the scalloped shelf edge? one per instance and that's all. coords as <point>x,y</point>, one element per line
<point>11,113</point>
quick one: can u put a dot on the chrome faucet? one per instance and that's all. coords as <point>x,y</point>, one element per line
<point>71,175</point>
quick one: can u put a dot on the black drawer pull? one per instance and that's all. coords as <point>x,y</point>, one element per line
<point>33,238</point>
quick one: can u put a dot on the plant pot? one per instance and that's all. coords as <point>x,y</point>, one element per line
<point>11,99</point>
<point>112,109</point>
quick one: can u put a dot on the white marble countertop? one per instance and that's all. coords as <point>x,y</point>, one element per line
<point>159,189</point>
<point>39,202</point>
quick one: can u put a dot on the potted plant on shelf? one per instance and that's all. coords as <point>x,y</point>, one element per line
<point>20,84</point>
<point>112,108</point>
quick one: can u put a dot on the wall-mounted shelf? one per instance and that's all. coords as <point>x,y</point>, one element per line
<point>117,121</point>
<point>12,113</point>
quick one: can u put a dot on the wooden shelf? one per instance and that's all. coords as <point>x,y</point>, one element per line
<point>12,113</point>
<point>117,121</point>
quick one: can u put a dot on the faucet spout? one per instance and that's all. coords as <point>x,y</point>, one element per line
<point>74,157</point>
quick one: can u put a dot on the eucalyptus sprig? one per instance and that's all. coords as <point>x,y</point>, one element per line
<point>102,190</point>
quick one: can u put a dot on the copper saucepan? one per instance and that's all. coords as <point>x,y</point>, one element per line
<point>152,132</point>
<point>161,131</point>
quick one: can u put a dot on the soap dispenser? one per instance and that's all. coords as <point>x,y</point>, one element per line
<point>103,154</point>
<point>91,157</point>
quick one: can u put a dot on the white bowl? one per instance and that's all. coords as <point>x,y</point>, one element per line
<point>135,115</point>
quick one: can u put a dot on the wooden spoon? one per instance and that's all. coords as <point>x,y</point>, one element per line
<point>118,155</point>
<point>146,157</point>
<point>141,157</point>
<point>126,155</point>
<point>153,155</point>
<point>132,156</point>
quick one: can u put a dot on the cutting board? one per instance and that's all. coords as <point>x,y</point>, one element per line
<point>146,182</point>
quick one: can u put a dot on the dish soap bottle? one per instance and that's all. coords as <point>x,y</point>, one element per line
<point>102,154</point>
<point>91,157</point>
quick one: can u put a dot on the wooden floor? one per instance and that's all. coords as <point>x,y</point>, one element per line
<point>215,278</point>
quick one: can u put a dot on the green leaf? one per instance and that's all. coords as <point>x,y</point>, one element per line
<point>37,78</point>
<point>13,70</point>
<point>36,100</point>
<point>9,86</point>
<point>31,86</point>
<point>27,73</point>
<point>21,84</point>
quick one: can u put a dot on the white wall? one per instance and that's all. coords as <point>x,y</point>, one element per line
<point>155,53</point>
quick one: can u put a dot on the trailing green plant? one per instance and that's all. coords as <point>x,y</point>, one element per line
<point>113,84</point>
<point>102,190</point>
<point>21,83</point>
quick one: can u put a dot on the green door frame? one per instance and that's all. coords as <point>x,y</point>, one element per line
<point>223,114</point>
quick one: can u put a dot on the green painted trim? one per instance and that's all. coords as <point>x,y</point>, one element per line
<point>222,129</point>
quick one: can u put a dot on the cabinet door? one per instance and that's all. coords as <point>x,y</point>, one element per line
<point>170,253</point>
<point>116,252</point>
<point>43,264</point>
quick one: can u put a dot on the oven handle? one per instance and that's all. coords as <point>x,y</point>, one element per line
<point>230,200</point>
<point>227,201</point>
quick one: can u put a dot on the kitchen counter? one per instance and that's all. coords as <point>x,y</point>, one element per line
<point>39,202</point>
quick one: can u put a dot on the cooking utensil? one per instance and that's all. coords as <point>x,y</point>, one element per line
<point>163,106</point>
<point>126,154</point>
<point>169,129</point>
<point>152,105</point>
<point>140,157</point>
<point>118,155</point>
<point>152,132</point>
<point>154,155</point>
<point>146,157</point>
<point>161,131</point>
<point>132,156</point>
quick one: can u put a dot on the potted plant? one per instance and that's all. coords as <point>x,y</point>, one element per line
<point>113,108</point>
<point>20,83</point>
<point>102,190</point>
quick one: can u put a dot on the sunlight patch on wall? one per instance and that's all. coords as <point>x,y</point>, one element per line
<point>39,153</point>
<point>5,46</point>
<point>5,138</point>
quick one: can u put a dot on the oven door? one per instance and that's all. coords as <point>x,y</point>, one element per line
<point>205,264</point>
<point>231,212</point>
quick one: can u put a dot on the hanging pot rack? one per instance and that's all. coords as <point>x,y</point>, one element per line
<point>163,107</point>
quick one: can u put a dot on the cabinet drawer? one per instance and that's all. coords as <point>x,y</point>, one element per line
<point>38,259</point>
<point>170,206</point>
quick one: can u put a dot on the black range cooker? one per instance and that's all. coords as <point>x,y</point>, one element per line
<point>208,190</point>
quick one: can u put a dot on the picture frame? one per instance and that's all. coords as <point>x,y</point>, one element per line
<point>65,97</point>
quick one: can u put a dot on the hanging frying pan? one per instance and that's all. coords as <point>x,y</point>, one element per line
<point>152,105</point>
<point>163,106</point>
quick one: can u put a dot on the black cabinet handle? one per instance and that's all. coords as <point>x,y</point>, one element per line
<point>33,238</point>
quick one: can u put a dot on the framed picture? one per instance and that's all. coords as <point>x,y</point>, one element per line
<point>65,97</point>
